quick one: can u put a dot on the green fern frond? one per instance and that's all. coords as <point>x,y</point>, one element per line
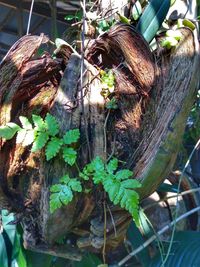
<point>75,185</point>
<point>39,123</point>
<point>9,130</point>
<point>40,141</point>
<point>61,194</point>
<point>117,184</point>
<point>25,123</point>
<point>52,125</point>
<point>112,165</point>
<point>71,136</point>
<point>69,155</point>
<point>53,147</point>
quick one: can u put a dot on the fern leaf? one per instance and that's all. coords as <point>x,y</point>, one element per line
<point>112,165</point>
<point>119,195</point>
<point>60,195</point>
<point>65,179</point>
<point>71,136</point>
<point>69,155</point>
<point>39,123</point>
<point>25,123</point>
<point>40,141</point>
<point>123,174</point>
<point>53,147</point>
<point>112,189</point>
<point>9,130</point>
<point>24,137</point>
<point>75,185</point>
<point>84,175</point>
<point>131,184</point>
<point>97,165</point>
<point>51,124</point>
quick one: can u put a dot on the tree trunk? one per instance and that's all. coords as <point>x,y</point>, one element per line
<point>154,93</point>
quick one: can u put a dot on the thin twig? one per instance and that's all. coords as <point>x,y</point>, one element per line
<point>152,238</point>
<point>112,219</point>
<point>166,198</point>
<point>173,223</point>
<point>104,130</point>
<point>83,5</point>
<point>176,211</point>
<point>29,18</point>
<point>105,230</point>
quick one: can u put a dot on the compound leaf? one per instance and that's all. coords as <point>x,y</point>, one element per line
<point>9,130</point>
<point>71,136</point>
<point>51,124</point>
<point>53,147</point>
<point>25,123</point>
<point>39,123</point>
<point>131,184</point>
<point>69,155</point>
<point>60,195</point>
<point>123,174</point>
<point>65,179</point>
<point>40,141</point>
<point>112,165</point>
<point>75,185</point>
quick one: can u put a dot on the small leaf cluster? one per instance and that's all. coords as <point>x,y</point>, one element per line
<point>62,193</point>
<point>117,183</point>
<point>104,25</point>
<point>43,133</point>
<point>108,82</point>
<point>172,38</point>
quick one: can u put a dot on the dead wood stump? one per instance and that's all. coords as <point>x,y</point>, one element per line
<point>155,94</point>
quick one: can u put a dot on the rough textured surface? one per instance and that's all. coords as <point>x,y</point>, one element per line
<point>145,131</point>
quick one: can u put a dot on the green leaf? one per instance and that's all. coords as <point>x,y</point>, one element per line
<point>39,123</point>
<point>135,237</point>
<point>25,123</point>
<point>137,10</point>
<point>112,165</point>
<point>184,252</point>
<point>84,176</point>
<point>123,174</point>
<point>99,177</point>
<point>65,179</point>
<point>3,253</point>
<point>152,18</point>
<point>112,189</point>
<point>71,136</point>
<point>9,130</point>
<point>40,141</point>
<point>25,137</point>
<point>69,155</point>
<point>130,184</point>
<point>70,17</point>
<point>60,195</point>
<point>112,104</point>
<point>75,185</point>
<point>52,125</point>
<point>53,147</point>
<point>97,164</point>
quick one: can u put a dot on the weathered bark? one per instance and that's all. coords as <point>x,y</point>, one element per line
<point>154,101</point>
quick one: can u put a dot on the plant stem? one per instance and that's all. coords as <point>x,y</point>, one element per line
<point>152,238</point>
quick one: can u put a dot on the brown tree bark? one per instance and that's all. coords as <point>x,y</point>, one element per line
<point>155,94</point>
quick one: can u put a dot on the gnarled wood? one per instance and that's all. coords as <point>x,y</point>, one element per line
<point>145,131</point>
